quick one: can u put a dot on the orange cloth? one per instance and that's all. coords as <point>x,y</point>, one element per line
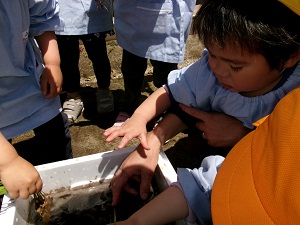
<point>293,5</point>
<point>259,181</point>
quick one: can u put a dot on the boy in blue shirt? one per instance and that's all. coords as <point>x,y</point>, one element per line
<point>251,61</point>
<point>30,82</point>
<point>89,21</point>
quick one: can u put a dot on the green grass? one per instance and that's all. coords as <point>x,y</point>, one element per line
<point>114,217</point>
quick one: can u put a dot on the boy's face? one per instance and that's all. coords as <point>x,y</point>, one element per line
<point>237,71</point>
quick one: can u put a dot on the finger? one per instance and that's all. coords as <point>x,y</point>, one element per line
<point>44,87</point>
<point>200,125</point>
<point>39,185</point>
<point>197,113</point>
<point>111,130</point>
<point>133,184</point>
<point>13,194</point>
<point>58,89</point>
<point>24,194</point>
<point>144,143</point>
<point>116,191</point>
<point>51,91</point>
<point>125,140</point>
<point>130,189</point>
<point>108,131</point>
<point>117,184</point>
<point>145,185</point>
<point>136,178</point>
<point>32,189</point>
<point>114,134</point>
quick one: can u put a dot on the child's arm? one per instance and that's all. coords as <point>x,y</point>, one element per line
<point>19,177</point>
<point>167,207</point>
<point>135,126</point>
<point>51,82</point>
<point>140,164</point>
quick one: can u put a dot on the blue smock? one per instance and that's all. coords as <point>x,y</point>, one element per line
<point>85,16</point>
<point>154,29</point>
<point>196,185</point>
<point>22,103</point>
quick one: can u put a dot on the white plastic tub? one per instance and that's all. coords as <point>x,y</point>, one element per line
<point>78,172</point>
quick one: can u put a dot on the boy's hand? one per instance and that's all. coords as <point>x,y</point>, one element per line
<point>20,179</point>
<point>138,166</point>
<point>51,81</point>
<point>134,127</point>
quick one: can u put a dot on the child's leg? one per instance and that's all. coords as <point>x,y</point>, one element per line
<point>95,46</point>
<point>54,140</point>
<point>69,55</point>
<point>161,71</point>
<point>133,68</point>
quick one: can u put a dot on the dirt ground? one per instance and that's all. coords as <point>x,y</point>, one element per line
<point>87,132</point>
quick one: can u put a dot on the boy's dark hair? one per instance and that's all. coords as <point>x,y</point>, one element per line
<point>264,27</point>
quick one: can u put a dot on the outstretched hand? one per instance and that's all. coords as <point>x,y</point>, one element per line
<point>220,130</point>
<point>134,127</point>
<point>138,166</point>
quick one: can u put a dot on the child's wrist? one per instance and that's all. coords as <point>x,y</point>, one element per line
<point>8,155</point>
<point>140,118</point>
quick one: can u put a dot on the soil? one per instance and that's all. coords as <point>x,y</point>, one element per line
<point>87,132</point>
<point>82,206</point>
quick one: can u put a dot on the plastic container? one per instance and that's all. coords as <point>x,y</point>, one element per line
<point>78,172</point>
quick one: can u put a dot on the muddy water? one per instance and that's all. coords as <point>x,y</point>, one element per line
<point>84,206</point>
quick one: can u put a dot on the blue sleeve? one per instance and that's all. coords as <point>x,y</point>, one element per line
<point>193,85</point>
<point>44,16</point>
<point>197,185</point>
